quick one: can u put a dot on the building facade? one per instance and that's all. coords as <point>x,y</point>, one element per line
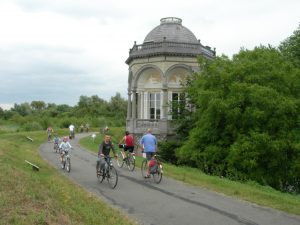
<point>156,68</point>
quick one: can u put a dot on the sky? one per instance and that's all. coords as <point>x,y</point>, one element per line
<point>57,50</point>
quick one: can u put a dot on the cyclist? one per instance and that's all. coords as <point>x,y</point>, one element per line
<point>87,127</point>
<point>129,144</point>
<point>72,131</point>
<point>104,150</point>
<point>56,141</point>
<point>49,133</point>
<point>64,146</point>
<point>149,146</point>
<point>81,128</point>
<point>106,129</point>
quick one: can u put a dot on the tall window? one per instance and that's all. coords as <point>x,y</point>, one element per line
<point>154,103</point>
<point>178,105</point>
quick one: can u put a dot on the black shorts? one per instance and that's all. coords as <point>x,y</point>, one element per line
<point>129,148</point>
<point>149,155</point>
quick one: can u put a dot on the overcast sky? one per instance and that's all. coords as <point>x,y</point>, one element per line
<point>56,50</point>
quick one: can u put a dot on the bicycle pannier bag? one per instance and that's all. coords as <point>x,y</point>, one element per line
<point>152,165</point>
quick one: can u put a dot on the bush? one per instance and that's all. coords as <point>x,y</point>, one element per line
<point>167,150</point>
<point>31,126</point>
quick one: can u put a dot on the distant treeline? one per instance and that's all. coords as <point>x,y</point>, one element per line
<point>93,110</point>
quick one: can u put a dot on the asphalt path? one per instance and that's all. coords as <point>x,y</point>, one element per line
<point>168,203</point>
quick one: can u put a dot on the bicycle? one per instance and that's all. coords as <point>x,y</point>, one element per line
<point>66,161</point>
<point>49,137</point>
<point>56,147</point>
<point>72,134</point>
<point>156,171</point>
<point>109,172</point>
<point>128,159</point>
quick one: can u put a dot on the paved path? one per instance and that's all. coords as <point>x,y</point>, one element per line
<point>167,203</point>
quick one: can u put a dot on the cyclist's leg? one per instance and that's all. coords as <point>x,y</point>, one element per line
<point>130,149</point>
<point>131,158</point>
<point>149,156</point>
<point>62,159</point>
<point>124,152</point>
<point>98,167</point>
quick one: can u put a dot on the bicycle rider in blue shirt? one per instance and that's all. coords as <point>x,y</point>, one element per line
<point>149,146</point>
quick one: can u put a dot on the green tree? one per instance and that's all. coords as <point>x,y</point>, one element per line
<point>1,113</point>
<point>247,118</point>
<point>92,106</point>
<point>118,105</point>
<point>291,47</point>
<point>38,105</point>
<point>22,109</point>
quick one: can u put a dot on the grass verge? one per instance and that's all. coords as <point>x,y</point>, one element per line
<point>44,197</point>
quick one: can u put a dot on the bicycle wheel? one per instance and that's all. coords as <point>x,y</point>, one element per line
<point>68,165</point>
<point>112,177</point>
<point>120,161</point>
<point>144,168</point>
<point>101,176</point>
<point>56,148</point>
<point>130,162</point>
<point>157,176</point>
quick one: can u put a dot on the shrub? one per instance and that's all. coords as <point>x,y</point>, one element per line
<point>167,150</point>
<point>31,126</point>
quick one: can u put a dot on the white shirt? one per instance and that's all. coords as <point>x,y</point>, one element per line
<point>71,127</point>
<point>65,145</point>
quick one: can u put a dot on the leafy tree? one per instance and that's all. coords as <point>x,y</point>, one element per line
<point>182,116</point>
<point>38,105</point>
<point>247,118</point>
<point>93,106</point>
<point>23,109</point>
<point>118,105</point>
<point>1,113</point>
<point>291,47</point>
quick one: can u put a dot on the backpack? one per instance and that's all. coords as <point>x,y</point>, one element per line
<point>152,166</point>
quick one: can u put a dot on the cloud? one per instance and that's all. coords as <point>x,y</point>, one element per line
<point>57,50</point>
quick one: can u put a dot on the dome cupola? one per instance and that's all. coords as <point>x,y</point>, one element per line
<point>171,29</point>
<point>170,38</point>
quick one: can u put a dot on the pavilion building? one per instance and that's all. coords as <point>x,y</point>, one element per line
<point>156,68</point>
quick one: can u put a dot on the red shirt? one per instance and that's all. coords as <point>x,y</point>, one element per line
<point>129,140</point>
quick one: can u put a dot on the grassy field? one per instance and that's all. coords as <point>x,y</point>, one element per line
<point>252,192</point>
<point>44,197</point>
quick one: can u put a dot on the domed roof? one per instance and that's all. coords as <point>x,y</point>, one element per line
<point>171,29</point>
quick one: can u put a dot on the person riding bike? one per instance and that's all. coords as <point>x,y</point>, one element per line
<point>104,150</point>
<point>149,146</point>
<point>129,144</point>
<point>72,131</point>
<point>56,141</point>
<point>49,133</point>
<point>65,146</point>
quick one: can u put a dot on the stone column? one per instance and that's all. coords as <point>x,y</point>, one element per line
<point>165,102</point>
<point>129,115</point>
<point>133,104</point>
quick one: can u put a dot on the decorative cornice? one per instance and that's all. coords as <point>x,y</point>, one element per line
<point>166,48</point>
